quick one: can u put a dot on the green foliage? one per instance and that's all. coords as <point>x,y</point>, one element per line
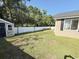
<point>18,13</point>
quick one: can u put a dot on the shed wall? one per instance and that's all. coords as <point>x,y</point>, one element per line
<point>9,32</point>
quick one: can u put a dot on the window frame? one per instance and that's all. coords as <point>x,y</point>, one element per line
<point>70,24</point>
<point>9,27</point>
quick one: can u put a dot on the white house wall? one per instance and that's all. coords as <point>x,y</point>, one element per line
<point>70,33</point>
<point>78,25</point>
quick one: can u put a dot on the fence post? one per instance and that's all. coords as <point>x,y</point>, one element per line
<point>17,30</point>
<point>34,28</point>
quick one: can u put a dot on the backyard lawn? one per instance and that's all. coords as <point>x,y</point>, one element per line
<point>39,45</point>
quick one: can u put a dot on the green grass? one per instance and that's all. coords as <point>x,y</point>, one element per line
<point>45,45</point>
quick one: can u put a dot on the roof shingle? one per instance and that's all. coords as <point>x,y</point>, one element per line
<point>70,14</point>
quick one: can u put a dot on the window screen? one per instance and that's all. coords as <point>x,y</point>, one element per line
<point>71,24</point>
<point>67,24</point>
<point>62,22</point>
<point>74,24</point>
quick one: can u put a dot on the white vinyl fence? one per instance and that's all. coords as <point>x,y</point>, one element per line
<point>19,30</point>
<point>52,28</point>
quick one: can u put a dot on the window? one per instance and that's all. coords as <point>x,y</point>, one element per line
<point>62,23</point>
<point>70,24</point>
<point>74,24</point>
<point>9,27</point>
<point>67,24</point>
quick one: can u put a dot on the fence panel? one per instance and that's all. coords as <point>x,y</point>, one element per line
<point>19,30</point>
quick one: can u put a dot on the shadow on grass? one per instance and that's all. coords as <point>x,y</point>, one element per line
<point>9,51</point>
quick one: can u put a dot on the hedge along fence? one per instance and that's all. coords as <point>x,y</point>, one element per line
<point>19,30</point>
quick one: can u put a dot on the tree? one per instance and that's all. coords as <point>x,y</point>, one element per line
<point>18,13</point>
<point>10,9</point>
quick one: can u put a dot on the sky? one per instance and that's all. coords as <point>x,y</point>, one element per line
<point>55,6</point>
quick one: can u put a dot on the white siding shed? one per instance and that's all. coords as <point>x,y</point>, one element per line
<point>6,28</point>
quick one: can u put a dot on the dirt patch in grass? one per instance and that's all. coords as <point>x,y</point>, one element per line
<point>52,42</point>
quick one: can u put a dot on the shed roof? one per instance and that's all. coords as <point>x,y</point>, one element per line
<point>5,21</point>
<point>71,14</point>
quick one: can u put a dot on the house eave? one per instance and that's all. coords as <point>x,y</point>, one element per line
<point>65,17</point>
